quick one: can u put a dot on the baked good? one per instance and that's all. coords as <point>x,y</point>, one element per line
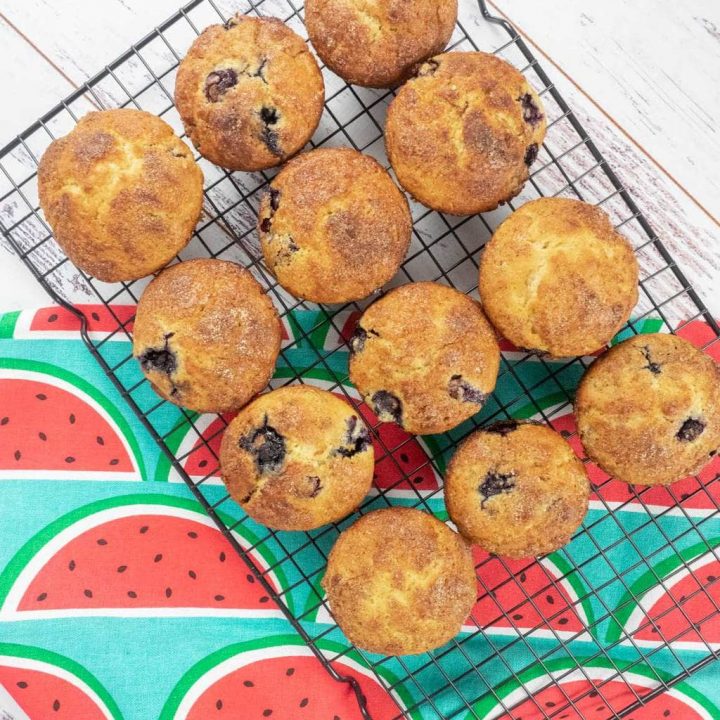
<point>334,226</point>
<point>297,458</point>
<point>249,92</point>
<point>517,489</point>
<point>425,357</point>
<point>648,410</point>
<point>378,44</point>
<point>463,132</point>
<point>121,193</point>
<point>206,335</point>
<point>400,582</point>
<point>557,279</point>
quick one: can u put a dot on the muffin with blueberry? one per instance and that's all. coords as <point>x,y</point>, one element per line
<point>297,458</point>
<point>462,134</point>
<point>206,335</point>
<point>648,411</point>
<point>557,279</point>
<point>378,44</point>
<point>425,357</point>
<point>334,227</point>
<point>122,194</point>
<point>249,92</point>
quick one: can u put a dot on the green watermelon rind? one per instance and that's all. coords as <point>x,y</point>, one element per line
<point>8,321</point>
<point>650,579</point>
<point>197,671</point>
<point>483,708</point>
<point>72,667</point>
<point>32,547</point>
<point>122,425</point>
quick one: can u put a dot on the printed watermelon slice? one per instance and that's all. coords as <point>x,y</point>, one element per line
<point>58,323</point>
<point>681,609</point>
<point>47,685</point>
<point>55,425</point>
<point>596,691</point>
<point>140,555</point>
<point>199,455</point>
<point>528,596</point>
<point>281,679</point>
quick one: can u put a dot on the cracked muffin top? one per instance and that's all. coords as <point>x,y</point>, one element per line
<point>206,335</point>
<point>297,458</point>
<point>648,411</point>
<point>557,279</point>
<point>121,192</point>
<point>425,357</point>
<point>250,93</point>
<point>377,43</point>
<point>334,226</point>
<point>400,582</point>
<point>517,489</point>
<point>462,134</point>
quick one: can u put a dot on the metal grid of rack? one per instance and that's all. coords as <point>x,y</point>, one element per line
<point>454,680</point>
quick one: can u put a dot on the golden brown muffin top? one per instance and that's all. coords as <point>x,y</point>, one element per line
<point>400,582</point>
<point>121,192</point>
<point>557,278</point>
<point>297,458</point>
<point>517,489</point>
<point>463,132</point>
<point>206,335</point>
<point>250,93</point>
<point>425,357</point>
<point>648,411</point>
<point>377,43</point>
<point>334,226</point>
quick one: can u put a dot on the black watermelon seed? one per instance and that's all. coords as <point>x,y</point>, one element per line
<point>168,592</point>
<point>69,459</point>
<point>114,461</point>
<point>304,702</point>
<point>711,578</point>
<point>132,594</point>
<point>95,317</point>
<point>72,419</point>
<point>289,671</point>
<point>144,529</point>
<point>417,480</point>
<point>517,616</point>
<point>219,598</point>
<point>202,463</point>
<point>267,713</point>
<point>222,557</point>
<point>192,574</point>
<point>52,318</point>
<point>56,705</point>
<point>42,436</point>
<point>100,440</point>
<point>549,703</point>
<point>4,421</point>
<point>218,704</point>
<point>41,396</point>
<point>192,534</point>
<point>248,683</point>
<point>264,599</point>
<point>102,541</point>
<point>71,565</point>
<point>18,454</point>
<point>563,621</point>
<point>250,578</point>
<point>593,693</point>
<point>158,557</point>
<point>666,713</point>
<point>336,717</point>
<point>550,599</point>
<point>41,597</point>
<point>87,593</point>
<point>21,684</point>
<point>122,568</point>
<point>523,577</point>
<point>404,458</point>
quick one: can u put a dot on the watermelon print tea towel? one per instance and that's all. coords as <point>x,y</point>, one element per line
<point>120,600</point>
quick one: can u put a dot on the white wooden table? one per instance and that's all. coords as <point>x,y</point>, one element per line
<point>642,75</point>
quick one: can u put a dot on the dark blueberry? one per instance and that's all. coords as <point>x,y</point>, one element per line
<point>266,225</point>
<point>691,430</point>
<point>274,199</point>
<point>315,485</point>
<point>359,338</point>
<point>504,427</point>
<point>270,117</point>
<point>462,390</point>
<point>531,112</point>
<point>531,154</point>
<point>356,440</point>
<point>495,483</point>
<point>428,68</point>
<point>289,249</point>
<point>653,367</point>
<point>161,360</point>
<point>218,82</point>
<point>268,447</point>
<point>385,403</point>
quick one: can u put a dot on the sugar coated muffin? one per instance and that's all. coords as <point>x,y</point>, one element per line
<point>206,335</point>
<point>334,226</point>
<point>462,134</point>
<point>121,193</point>
<point>400,582</point>
<point>648,410</point>
<point>557,279</point>
<point>249,92</point>
<point>517,489</point>
<point>425,357</point>
<point>297,458</point>
<point>378,44</point>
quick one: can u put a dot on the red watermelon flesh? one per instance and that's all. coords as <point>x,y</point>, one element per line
<point>520,595</point>
<point>100,319</point>
<point>42,695</point>
<point>700,334</point>
<point>44,426</point>
<point>289,688</point>
<point>202,460</point>
<point>146,561</point>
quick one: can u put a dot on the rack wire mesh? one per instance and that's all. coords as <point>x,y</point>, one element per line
<point>517,643</point>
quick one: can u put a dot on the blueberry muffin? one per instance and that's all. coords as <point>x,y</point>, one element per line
<point>462,134</point>
<point>400,582</point>
<point>334,226</point>
<point>378,44</point>
<point>121,193</point>
<point>648,411</point>
<point>250,93</point>
<point>557,279</point>
<point>297,458</point>
<point>425,357</point>
<point>517,489</point>
<point>206,335</point>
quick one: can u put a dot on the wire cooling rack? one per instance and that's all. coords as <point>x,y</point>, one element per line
<point>632,540</point>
